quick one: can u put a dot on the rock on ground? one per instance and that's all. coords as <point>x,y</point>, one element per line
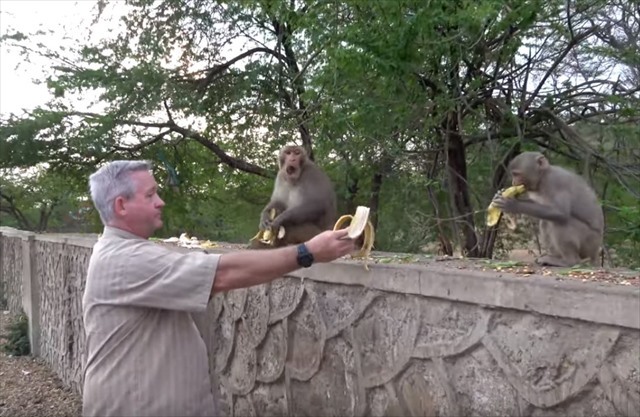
<point>28,387</point>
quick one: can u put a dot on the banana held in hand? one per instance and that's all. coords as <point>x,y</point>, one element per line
<point>493,212</point>
<point>267,236</point>
<point>360,224</point>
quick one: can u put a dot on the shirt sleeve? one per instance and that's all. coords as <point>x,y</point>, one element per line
<point>146,274</point>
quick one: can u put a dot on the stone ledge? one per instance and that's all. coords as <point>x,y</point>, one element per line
<point>71,239</point>
<point>593,302</point>
<point>588,301</point>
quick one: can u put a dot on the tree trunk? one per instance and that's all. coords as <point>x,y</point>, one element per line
<point>499,175</point>
<point>352,192</point>
<point>445,246</point>
<point>457,170</point>
<point>374,201</point>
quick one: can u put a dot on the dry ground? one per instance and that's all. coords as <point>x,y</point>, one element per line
<point>28,387</point>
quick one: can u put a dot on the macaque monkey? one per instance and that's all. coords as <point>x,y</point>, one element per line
<point>303,196</point>
<point>571,219</point>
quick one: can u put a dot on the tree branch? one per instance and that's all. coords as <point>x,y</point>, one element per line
<point>572,42</point>
<point>219,69</point>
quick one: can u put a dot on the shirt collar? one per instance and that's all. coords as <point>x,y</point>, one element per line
<point>110,231</point>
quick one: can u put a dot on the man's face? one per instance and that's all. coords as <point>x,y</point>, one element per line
<point>143,212</point>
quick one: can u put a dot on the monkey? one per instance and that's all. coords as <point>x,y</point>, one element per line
<point>571,221</point>
<point>303,197</point>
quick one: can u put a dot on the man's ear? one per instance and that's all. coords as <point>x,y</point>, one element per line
<point>118,206</point>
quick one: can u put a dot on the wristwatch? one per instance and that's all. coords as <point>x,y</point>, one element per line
<point>305,258</point>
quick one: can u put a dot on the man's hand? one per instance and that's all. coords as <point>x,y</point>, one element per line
<point>330,245</point>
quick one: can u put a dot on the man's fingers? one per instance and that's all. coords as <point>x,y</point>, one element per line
<point>340,233</point>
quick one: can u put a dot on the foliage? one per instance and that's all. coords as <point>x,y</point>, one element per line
<point>413,108</point>
<point>38,199</point>
<point>17,343</point>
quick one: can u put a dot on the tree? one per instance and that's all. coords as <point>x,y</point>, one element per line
<point>414,108</point>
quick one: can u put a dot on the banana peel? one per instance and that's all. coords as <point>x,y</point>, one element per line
<point>494,213</point>
<point>267,236</point>
<point>359,224</point>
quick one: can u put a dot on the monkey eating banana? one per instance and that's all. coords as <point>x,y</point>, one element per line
<point>494,213</point>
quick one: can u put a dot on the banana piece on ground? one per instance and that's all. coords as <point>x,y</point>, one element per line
<point>494,213</point>
<point>359,224</point>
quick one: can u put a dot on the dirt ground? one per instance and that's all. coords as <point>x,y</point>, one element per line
<point>29,388</point>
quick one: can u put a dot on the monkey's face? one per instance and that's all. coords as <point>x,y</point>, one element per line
<point>292,160</point>
<point>526,169</point>
<point>516,178</point>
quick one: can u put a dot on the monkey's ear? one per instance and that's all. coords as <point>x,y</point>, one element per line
<point>543,162</point>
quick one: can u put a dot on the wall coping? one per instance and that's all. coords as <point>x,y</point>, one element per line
<point>593,302</point>
<point>86,242</point>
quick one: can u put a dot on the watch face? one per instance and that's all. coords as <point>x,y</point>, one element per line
<point>305,258</point>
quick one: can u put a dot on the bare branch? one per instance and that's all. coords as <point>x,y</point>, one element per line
<point>573,42</point>
<point>143,144</point>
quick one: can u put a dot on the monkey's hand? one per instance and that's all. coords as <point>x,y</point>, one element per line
<point>507,204</point>
<point>265,221</point>
<point>268,215</point>
<point>276,223</point>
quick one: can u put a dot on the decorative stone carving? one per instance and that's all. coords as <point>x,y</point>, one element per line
<point>548,361</point>
<point>307,347</point>
<point>11,287</point>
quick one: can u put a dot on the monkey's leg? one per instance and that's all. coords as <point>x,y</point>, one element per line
<point>590,246</point>
<point>299,233</point>
<point>564,244</point>
<point>550,260</point>
<point>256,244</point>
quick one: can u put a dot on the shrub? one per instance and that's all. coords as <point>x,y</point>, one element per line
<point>18,337</point>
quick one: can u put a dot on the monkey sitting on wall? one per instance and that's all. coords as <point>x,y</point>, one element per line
<point>303,197</point>
<point>571,219</point>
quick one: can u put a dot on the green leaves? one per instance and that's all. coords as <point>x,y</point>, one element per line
<point>386,93</point>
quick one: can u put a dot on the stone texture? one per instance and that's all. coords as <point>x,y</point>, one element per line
<point>408,341</point>
<point>11,285</point>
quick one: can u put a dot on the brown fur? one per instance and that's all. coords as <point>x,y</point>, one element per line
<point>571,219</point>
<point>303,196</point>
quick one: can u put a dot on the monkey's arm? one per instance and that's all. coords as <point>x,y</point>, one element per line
<point>557,212</point>
<point>265,216</point>
<point>304,213</point>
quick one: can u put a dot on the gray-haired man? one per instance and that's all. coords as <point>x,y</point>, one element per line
<point>145,356</point>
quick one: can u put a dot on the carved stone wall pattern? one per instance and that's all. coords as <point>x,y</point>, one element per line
<point>350,351</point>
<point>11,287</point>
<point>306,347</point>
<point>61,269</point>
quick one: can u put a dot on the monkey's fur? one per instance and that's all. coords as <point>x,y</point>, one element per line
<point>303,196</point>
<point>571,219</point>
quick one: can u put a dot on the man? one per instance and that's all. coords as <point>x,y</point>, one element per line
<point>145,356</point>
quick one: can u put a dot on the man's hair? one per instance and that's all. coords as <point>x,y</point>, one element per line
<point>112,181</point>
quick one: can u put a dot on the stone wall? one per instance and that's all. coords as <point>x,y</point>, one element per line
<point>11,268</point>
<point>399,340</point>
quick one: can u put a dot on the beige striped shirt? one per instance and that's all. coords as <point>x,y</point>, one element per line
<point>145,356</point>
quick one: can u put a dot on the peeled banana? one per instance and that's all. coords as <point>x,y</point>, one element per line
<point>267,236</point>
<point>494,213</point>
<point>360,224</point>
